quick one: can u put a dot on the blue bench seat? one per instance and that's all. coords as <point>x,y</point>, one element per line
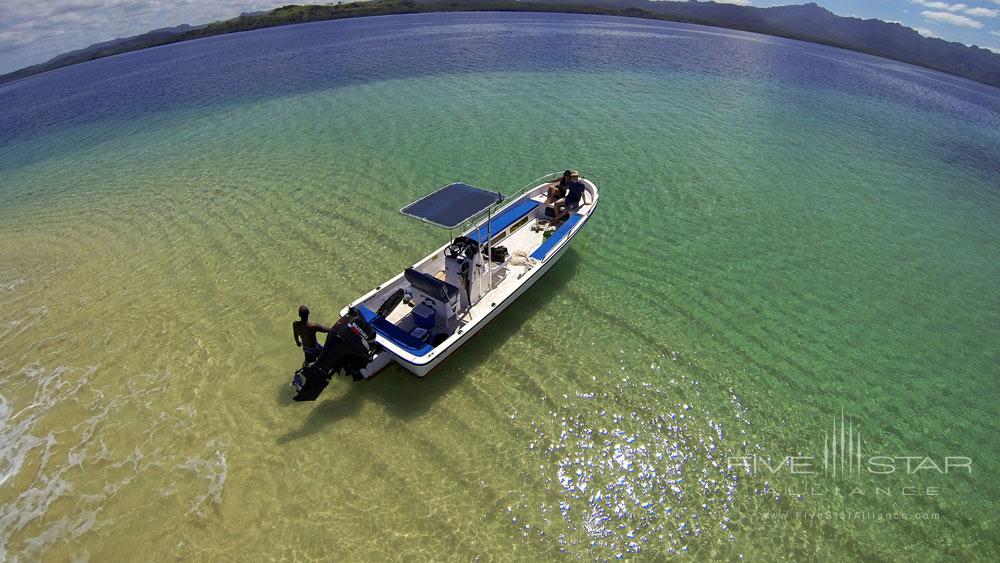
<point>542,251</point>
<point>394,334</point>
<point>504,220</point>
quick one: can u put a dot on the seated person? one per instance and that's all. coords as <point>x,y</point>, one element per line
<point>558,189</point>
<point>573,199</point>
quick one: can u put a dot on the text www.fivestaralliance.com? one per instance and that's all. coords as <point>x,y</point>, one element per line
<point>847,515</point>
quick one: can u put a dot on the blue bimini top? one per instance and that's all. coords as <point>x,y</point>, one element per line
<point>451,205</point>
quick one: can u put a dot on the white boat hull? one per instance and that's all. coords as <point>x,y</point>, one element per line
<point>519,234</point>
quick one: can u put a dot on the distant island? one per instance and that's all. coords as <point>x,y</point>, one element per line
<point>807,22</point>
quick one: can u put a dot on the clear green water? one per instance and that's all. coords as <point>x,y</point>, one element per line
<point>765,258</point>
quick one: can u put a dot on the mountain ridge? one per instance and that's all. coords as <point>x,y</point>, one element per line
<point>807,22</point>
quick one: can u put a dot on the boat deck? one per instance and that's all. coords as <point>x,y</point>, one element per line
<point>526,238</point>
<point>521,229</point>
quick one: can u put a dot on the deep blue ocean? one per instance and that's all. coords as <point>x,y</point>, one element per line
<point>286,60</point>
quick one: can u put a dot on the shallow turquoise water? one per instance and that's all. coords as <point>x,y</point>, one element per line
<point>773,251</point>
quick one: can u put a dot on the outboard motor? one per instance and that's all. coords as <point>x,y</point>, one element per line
<point>350,346</point>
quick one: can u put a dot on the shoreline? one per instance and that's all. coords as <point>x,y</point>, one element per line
<point>297,14</point>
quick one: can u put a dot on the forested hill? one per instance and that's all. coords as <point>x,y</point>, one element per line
<point>807,22</point>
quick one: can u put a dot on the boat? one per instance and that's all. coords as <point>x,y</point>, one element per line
<point>420,317</point>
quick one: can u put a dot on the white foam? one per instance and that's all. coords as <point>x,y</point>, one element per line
<point>17,327</point>
<point>10,286</point>
<point>17,441</point>
<point>212,470</point>
<point>62,460</point>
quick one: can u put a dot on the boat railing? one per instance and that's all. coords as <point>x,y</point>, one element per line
<point>550,177</point>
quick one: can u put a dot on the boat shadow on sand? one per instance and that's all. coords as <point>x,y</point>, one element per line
<point>405,396</point>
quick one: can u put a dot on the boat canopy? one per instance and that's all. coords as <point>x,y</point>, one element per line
<point>452,205</point>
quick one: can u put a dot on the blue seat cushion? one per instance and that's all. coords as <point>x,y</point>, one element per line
<point>393,333</point>
<point>542,251</point>
<point>502,221</point>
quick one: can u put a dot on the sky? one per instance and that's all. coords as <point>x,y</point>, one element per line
<point>33,31</point>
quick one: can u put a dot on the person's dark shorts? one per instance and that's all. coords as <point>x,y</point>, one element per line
<point>312,354</point>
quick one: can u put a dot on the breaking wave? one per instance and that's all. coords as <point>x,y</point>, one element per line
<point>72,446</point>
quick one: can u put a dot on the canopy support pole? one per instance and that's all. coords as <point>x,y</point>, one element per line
<point>489,247</point>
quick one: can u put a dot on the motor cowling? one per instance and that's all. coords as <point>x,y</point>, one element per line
<point>350,346</point>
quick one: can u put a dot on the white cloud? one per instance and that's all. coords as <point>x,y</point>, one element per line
<point>953,19</point>
<point>959,8</point>
<point>982,12</point>
<point>997,33</point>
<point>940,5</point>
<point>32,31</point>
<point>926,32</point>
<point>740,2</point>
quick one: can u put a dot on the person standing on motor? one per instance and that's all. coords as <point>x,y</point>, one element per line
<point>304,332</point>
